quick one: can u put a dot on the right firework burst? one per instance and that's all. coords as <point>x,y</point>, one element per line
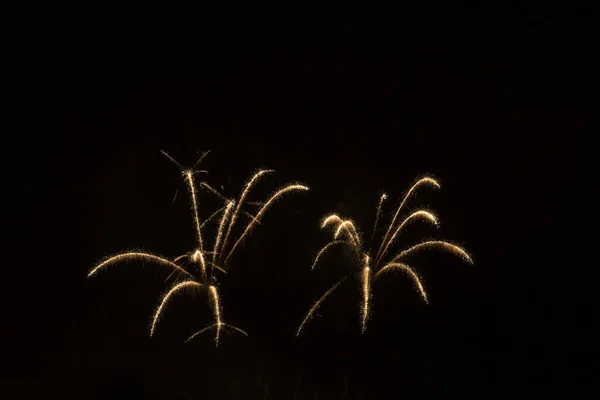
<point>373,266</point>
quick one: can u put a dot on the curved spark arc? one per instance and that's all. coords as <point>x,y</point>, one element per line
<point>223,325</point>
<point>366,275</point>
<point>199,256</point>
<point>259,215</point>
<point>436,243</point>
<point>317,304</point>
<point>136,255</point>
<point>220,231</point>
<point>243,196</point>
<point>377,216</point>
<point>421,181</point>
<point>411,272</point>
<point>180,257</point>
<point>417,214</point>
<point>324,249</point>
<point>350,229</point>
<point>165,300</point>
<point>329,219</point>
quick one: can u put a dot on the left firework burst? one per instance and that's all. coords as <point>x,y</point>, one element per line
<point>197,271</point>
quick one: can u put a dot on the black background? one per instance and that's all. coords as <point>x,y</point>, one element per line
<point>491,100</point>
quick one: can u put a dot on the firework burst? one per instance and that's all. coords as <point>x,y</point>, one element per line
<point>198,267</point>
<point>372,268</point>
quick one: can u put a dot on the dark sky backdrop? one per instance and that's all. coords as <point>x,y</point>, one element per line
<point>491,100</point>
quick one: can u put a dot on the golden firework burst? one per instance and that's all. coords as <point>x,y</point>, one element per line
<point>371,268</point>
<point>202,277</point>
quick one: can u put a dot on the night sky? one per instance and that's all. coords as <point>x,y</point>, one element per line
<point>490,100</point>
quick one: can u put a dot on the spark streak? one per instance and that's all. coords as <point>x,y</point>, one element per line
<point>417,214</point>
<point>421,181</point>
<point>190,181</point>
<point>409,271</point>
<point>331,219</point>
<point>366,293</point>
<point>221,228</point>
<point>243,196</point>
<point>436,243</point>
<point>324,249</point>
<point>261,213</point>
<point>377,216</point>
<point>165,300</point>
<point>140,256</point>
<point>316,305</point>
<point>216,310</point>
<point>223,325</point>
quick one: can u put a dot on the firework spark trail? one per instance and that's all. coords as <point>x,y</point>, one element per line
<point>173,160</point>
<point>223,325</point>
<point>324,249</point>
<point>213,191</point>
<point>417,214</point>
<point>180,257</point>
<point>331,219</point>
<point>213,215</point>
<point>366,278</point>
<point>316,305</point>
<point>350,229</point>
<point>377,216</point>
<point>134,256</point>
<point>415,186</point>
<point>220,231</point>
<point>198,256</point>
<point>165,300</point>
<point>243,196</point>
<point>216,310</point>
<point>436,243</point>
<point>411,272</point>
<point>200,159</point>
<point>190,181</point>
<point>260,214</point>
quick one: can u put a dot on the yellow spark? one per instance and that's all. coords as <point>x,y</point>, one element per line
<point>436,243</point>
<point>331,218</point>
<point>215,266</point>
<point>190,181</point>
<point>137,256</point>
<point>165,300</point>
<point>409,271</point>
<point>213,215</point>
<point>377,216</point>
<point>180,257</point>
<point>213,191</point>
<point>421,181</point>
<point>220,231</point>
<point>172,159</point>
<point>223,325</point>
<point>350,229</point>
<point>316,305</point>
<point>261,213</point>
<point>366,294</point>
<point>324,249</point>
<point>216,310</point>
<point>243,196</point>
<point>199,256</point>
<point>417,214</point>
